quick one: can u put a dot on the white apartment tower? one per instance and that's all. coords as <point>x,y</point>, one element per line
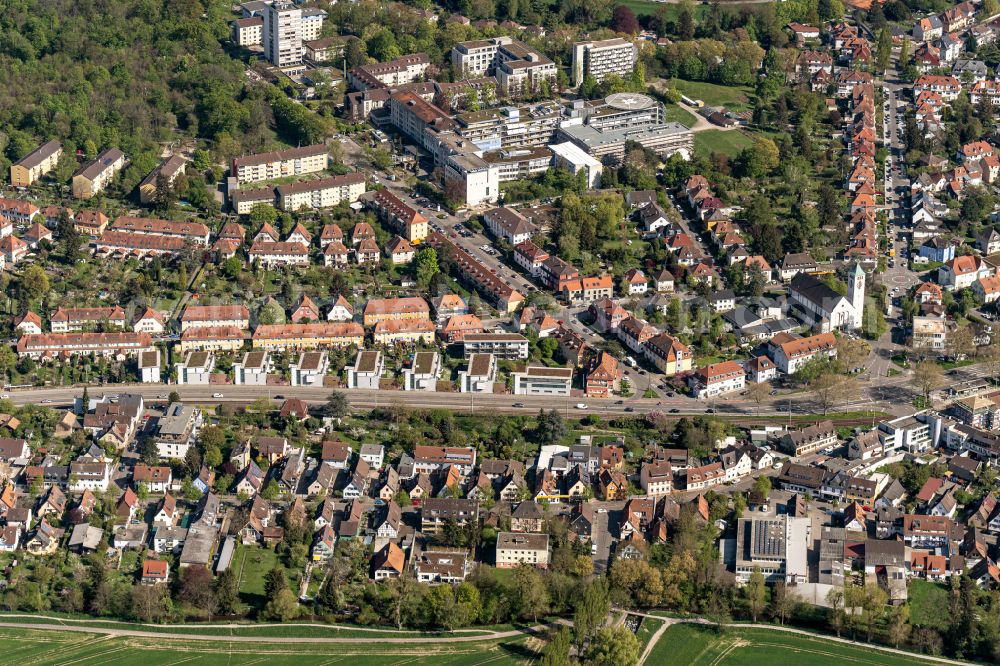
<point>283,34</point>
<point>598,59</point>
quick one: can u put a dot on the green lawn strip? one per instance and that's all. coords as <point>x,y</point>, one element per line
<point>674,113</point>
<point>291,631</point>
<point>42,648</point>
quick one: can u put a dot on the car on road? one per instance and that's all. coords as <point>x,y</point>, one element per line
<point>518,405</point>
<point>675,411</point>
<point>5,396</point>
<point>46,401</point>
<point>581,405</point>
<point>630,409</point>
<point>218,395</point>
<point>710,410</point>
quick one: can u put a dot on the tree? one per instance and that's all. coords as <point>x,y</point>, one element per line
<point>685,21</point>
<point>762,486</point>
<point>759,392</point>
<point>928,377</point>
<point>274,582</point>
<point>426,267</point>
<point>755,593</point>
<point>197,590</point>
<point>623,20</point>
<point>550,427</point>
<point>531,592</point>
<point>556,652</point>
<point>34,282</point>
<point>835,606</point>
<point>883,49</point>
<point>283,607</point>
<point>148,603</point>
<point>761,158</point>
<point>613,646</point>
<point>990,8</point>
<point>830,389</point>
<point>337,405</point>
<point>899,624</point>
<point>783,602</point>
<point>227,592</point>
<point>592,610</point>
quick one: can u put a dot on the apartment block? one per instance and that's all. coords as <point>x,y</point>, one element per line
<point>366,373</point>
<point>166,172</point>
<point>540,380</point>
<point>248,31</point>
<point>599,59</point>
<point>321,193</point>
<point>195,368</point>
<point>72,320</point>
<point>423,373</point>
<point>279,337</point>
<point>480,375</point>
<point>200,316</point>
<point>193,232</point>
<point>51,345</point>
<point>407,69</point>
<point>491,129</point>
<point>280,163</point>
<point>26,171</point>
<point>310,369</point>
<point>403,219</point>
<point>252,369</point>
<point>91,179</point>
<point>388,309</point>
<point>282,34</point>
<point>516,549</point>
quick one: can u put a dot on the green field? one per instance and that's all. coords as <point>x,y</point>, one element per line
<point>929,604</point>
<point>734,98</point>
<point>717,141</point>
<point>691,645</point>
<point>44,648</point>
<point>676,114</point>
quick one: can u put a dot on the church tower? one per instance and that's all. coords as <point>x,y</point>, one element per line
<point>856,294</point>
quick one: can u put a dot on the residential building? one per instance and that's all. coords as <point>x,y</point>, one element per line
<point>599,59</point>
<point>280,337</point>
<point>211,316</point>
<point>310,369</point>
<point>792,354</point>
<point>367,371</point>
<point>163,175</point>
<point>29,169</point>
<point>280,164</point>
<point>507,346</point>
<point>480,375</point>
<point>514,549</point>
<point>809,440</point>
<point>541,380</point>
<point>195,368</point>
<point>320,193</point>
<point>176,431</point>
<point>717,379</point>
<point>91,179</point>
<point>423,373</point>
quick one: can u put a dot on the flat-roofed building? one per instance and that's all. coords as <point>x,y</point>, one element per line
<point>665,139</point>
<point>601,58</point>
<point>27,170</point>
<point>366,373</point>
<point>195,368</point>
<point>574,159</point>
<point>480,375</point>
<point>423,373</point>
<point>517,548</point>
<point>243,201</point>
<point>321,193</point>
<point>91,179</point>
<point>438,566</point>
<point>310,369</point>
<point>149,366</point>
<point>252,369</point>
<point>510,126</point>
<point>405,69</point>
<point>519,163</point>
<point>541,380</point>
<point>281,163</point>
<point>177,430</point>
<point>507,346</point>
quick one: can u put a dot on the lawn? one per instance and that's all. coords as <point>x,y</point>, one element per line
<point>675,114</point>
<point>734,98</point>
<point>641,7</point>
<point>251,564</point>
<point>44,648</point>
<point>718,141</point>
<point>929,604</point>
<point>692,645</point>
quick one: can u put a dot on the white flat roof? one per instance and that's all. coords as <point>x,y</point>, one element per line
<point>573,154</point>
